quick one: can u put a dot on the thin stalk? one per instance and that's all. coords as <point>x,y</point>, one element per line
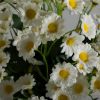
<point>45,61</point>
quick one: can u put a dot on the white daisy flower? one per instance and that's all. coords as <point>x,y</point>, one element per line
<point>88,26</point>
<point>52,27</point>
<point>2,73</point>
<point>7,89</point>
<point>51,88</point>
<point>79,91</point>
<point>70,43</point>
<point>26,44</point>
<point>31,12</point>
<point>95,85</point>
<point>82,68</point>
<point>4,42</point>
<point>61,95</point>
<point>86,55</point>
<point>63,75</point>
<point>26,82</point>
<point>4,59</point>
<point>75,6</point>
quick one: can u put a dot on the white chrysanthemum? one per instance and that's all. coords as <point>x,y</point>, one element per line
<point>61,95</point>
<point>95,83</point>
<point>79,91</point>
<point>86,55</point>
<point>51,88</point>
<point>70,43</point>
<point>52,27</point>
<point>31,12</point>
<point>2,73</point>
<point>37,98</point>
<point>4,42</point>
<point>4,59</point>
<point>26,82</point>
<point>26,44</point>
<point>88,26</point>
<point>7,89</point>
<point>75,5</point>
<point>82,68</point>
<point>64,75</point>
<point>95,86</point>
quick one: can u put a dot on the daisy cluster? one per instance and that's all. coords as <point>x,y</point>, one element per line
<point>40,59</point>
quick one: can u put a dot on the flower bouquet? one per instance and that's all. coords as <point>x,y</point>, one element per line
<point>49,50</point>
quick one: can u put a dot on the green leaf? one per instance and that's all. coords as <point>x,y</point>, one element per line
<point>17,22</point>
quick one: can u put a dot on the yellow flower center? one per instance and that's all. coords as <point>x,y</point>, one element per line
<point>78,88</point>
<point>8,89</point>
<point>63,97</point>
<point>30,14</point>
<point>64,73</point>
<point>97,84</point>
<point>52,27</point>
<point>70,41</point>
<point>86,27</point>
<point>29,46</point>
<point>84,56</point>
<point>2,43</point>
<point>81,67</point>
<point>73,3</point>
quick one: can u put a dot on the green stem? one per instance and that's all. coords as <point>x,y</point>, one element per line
<point>39,72</point>
<point>45,61</point>
<point>51,47</point>
<point>92,6</point>
<point>45,49</point>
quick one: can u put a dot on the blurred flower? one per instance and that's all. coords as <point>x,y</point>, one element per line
<point>4,42</point>
<point>80,90</point>
<point>61,95</point>
<point>7,89</point>
<point>51,88</point>
<point>2,74</point>
<point>95,86</point>
<point>25,82</point>
<point>4,59</point>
